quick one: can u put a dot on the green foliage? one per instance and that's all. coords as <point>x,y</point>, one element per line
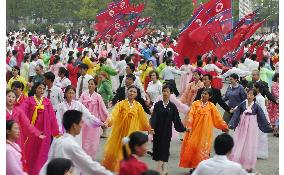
<point>59,28</point>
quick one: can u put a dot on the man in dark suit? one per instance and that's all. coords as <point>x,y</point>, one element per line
<point>216,93</point>
<point>264,90</point>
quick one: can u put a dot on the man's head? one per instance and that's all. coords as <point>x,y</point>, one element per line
<point>130,78</point>
<point>255,75</point>
<point>83,68</point>
<point>49,78</point>
<point>223,144</point>
<point>39,69</point>
<point>130,68</point>
<point>235,63</point>
<point>72,121</point>
<point>207,79</point>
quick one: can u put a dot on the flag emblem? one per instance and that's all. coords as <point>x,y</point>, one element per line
<point>111,13</point>
<point>199,22</point>
<point>219,7</point>
<point>122,4</point>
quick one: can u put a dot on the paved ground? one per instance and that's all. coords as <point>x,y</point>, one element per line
<point>266,167</point>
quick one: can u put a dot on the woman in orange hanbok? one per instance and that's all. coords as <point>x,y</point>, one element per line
<point>203,116</point>
<point>127,116</point>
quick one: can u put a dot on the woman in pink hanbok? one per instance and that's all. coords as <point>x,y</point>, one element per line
<point>16,114</point>
<point>273,108</point>
<point>40,112</point>
<point>95,104</point>
<point>191,89</point>
<point>70,104</point>
<point>247,120</point>
<point>185,78</point>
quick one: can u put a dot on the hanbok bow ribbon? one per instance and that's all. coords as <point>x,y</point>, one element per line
<point>37,107</point>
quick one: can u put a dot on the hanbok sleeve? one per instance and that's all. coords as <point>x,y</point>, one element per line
<point>153,119</point>
<point>263,124</point>
<point>115,113</point>
<point>177,122</point>
<point>12,163</point>
<point>110,70</point>
<point>53,121</point>
<point>26,125</point>
<point>103,113</point>
<point>143,119</point>
<point>88,118</point>
<point>191,115</point>
<point>234,122</point>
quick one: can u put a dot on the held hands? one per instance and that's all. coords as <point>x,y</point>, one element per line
<point>42,136</point>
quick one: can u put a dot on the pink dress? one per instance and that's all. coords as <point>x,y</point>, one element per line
<point>190,92</point>
<point>273,108</point>
<point>14,163</point>
<point>46,122</point>
<point>55,68</point>
<point>26,129</point>
<point>20,56</point>
<point>185,78</point>
<point>246,140</point>
<point>91,135</point>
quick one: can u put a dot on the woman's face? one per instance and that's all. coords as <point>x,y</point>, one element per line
<point>14,133</point>
<point>91,85</point>
<point>40,90</point>
<point>10,98</point>
<point>17,91</point>
<point>166,93</point>
<point>141,150</point>
<point>250,95</point>
<point>153,77</point>
<point>205,96</point>
<point>132,93</point>
<point>15,72</point>
<point>196,76</point>
<point>70,94</point>
<point>150,64</point>
<point>232,80</point>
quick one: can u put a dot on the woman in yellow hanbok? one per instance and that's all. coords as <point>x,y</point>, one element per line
<point>90,63</point>
<point>126,117</point>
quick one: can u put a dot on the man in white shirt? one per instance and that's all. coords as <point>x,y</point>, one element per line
<point>13,60</point>
<point>220,164</point>
<point>82,84</point>
<point>52,92</point>
<point>67,147</point>
<point>235,70</point>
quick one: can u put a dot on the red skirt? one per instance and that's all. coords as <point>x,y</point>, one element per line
<point>216,82</point>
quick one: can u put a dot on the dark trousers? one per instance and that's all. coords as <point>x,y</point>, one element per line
<point>172,83</point>
<point>120,80</point>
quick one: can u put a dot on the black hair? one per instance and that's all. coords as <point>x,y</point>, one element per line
<point>67,89</point>
<point>253,90</point>
<point>33,56</point>
<point>122,57</point>
<point>128,59</point>
<point>131,76</point>
<point>131,66</point>
<point>9,125</point>
<point>70,59</point>
<point>243,59</point>
<point>17,84</point>
<point>58,166</point>
<point>168,62</point>
<point>168,86</point>
<point>235,63</point>
<point>83,66</point>
<point>70,53</point>
<point>223,144</point>
<point>85,53</point>
<point>14,52</point>
<point>79,54</point>
<point>253,57</point>
<point>70,117</point>
<point>49,76</point>
<point>26,57</point>
<point>53,51</point>
<point>8,91</point>
<point>35,86</point>
<point>199,63</point>
<point>186,61</point>
<point>265,59</point>
<point>17,68</point>
<point>276,50</point>
<point>209,76</point>
<point>150,172</point>
<point>154,71</point>
<point>261,64</point>
<point>215,59</point>
<point>208,60</point>
<point>57,59</point>
<point>276,75</point>
<point>136,138</point>
<point>62,70</point>
<point>234,76</point>
<point>199,57</point>
<point>154,52</point>
<point>169,54</point>
<point>40,66</point>
<point>209,91</point>
<point>258,85</point>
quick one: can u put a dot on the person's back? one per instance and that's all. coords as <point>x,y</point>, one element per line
<point>220,164</point>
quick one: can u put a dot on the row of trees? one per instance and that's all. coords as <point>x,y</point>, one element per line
<point>163,12</point>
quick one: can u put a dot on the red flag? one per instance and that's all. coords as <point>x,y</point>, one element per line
<point>240,53</point>
<point>254,28</point>
<point>139,33</point>
<point>259,51</point>
<point>112,12</point>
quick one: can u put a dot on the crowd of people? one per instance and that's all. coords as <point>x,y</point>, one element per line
<point>65,90</point>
